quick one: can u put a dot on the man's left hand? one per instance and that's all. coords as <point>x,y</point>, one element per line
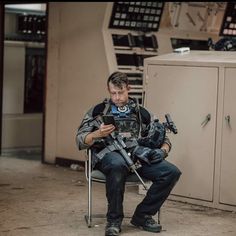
<point>157,155</point>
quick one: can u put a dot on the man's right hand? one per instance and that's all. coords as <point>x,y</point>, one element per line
<point>103,131</point>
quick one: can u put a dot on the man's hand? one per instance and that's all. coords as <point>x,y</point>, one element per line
<point>142,153</point>
<point>103,131</point>
<point>157,155</point>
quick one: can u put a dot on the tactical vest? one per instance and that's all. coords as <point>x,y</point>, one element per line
<point>131,120</point>
<point>127,119</point>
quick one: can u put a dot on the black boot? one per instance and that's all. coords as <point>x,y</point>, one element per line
<point>146,222</point>
<point>113,228</point>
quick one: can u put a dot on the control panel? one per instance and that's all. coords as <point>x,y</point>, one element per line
<point>228,27</point>
<point>138,16</point>
<point>129,38</point>
<point>25,26</point>
<point>133,31</point>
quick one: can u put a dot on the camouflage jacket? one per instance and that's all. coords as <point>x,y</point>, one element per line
<point>90,124</point>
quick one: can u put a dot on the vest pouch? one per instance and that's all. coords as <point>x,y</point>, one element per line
<point>127,127</point>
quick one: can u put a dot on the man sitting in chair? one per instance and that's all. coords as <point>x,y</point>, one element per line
<point>130,122</point>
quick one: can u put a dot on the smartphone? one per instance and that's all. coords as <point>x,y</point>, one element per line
<point>109,119</point>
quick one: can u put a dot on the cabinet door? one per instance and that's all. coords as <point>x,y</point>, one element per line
<point>189,94</point>
<point>228,154</point>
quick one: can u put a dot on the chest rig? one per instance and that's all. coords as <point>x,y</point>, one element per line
<point>127,118</point>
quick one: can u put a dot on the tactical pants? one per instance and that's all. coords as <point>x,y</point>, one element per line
<point>163,175</point>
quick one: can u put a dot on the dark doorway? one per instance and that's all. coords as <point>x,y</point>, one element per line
<point>23,73</point>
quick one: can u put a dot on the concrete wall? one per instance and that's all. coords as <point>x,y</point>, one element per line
<point>13,78</point>
<point>77,67</point>
<point>22,131</point>
<point>76,73</point>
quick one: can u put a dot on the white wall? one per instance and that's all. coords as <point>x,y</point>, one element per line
<point>14,78</point>
<point>76,73</point>
<point>19,130</point>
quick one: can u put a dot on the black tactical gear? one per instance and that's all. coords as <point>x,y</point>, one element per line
<point>149,150</point>
<point>153,136</point>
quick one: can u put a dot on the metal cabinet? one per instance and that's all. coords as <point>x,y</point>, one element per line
<point>197,89</point>
<point>189,94</point>
<point>228,153</point>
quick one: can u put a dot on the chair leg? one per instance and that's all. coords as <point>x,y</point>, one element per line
<point>88,217</point>
<point>90,204</point>
<point>159,217</point>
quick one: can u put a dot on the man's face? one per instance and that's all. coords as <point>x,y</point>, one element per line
<point>119,96</point>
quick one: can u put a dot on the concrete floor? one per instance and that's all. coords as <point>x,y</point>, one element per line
<point>39,199</point>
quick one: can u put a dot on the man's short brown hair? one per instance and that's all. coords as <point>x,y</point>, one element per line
<point>118,79</point>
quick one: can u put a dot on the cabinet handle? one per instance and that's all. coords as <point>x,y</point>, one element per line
<point>207,119</point>
<point>227,118</point>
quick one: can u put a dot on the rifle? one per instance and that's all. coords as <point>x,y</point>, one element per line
<point>119,144</point>
<point>169,124</point>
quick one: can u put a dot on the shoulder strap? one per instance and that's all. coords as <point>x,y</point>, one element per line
<point>146,117</point>
<point>98,109</point>
<point>143,116</point>
<point>107,106</point>
<point>139,115</point>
